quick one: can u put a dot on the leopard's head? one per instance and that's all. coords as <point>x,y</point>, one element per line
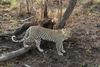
<point>67,32</point>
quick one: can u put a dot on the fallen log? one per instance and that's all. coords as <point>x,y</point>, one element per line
<point>5,47</point>
<point>13,54</point>
<point>3,36</point>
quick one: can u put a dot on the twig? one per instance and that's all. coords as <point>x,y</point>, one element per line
<point>26,65</point>
<point>26,19</point>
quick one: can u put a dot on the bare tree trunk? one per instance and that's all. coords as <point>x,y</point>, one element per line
<point>28,10</point>
<point>45,9</point>
<point>21,8</point>
<point>60,10</point>
<point>66,15</point>
<point>42,6</point>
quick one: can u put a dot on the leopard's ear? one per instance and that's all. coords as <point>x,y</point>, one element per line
<point>63,30</point>
<point>68,29</point>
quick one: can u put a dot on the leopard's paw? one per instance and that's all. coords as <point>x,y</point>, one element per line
<point>61,54</point>
<point>26,45</point>
<point>41,50</point>
<point>63,51</point>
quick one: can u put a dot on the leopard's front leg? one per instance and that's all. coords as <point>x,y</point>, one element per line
<point>38,45</point>
<point>62,49</point>
<point>58,47</point>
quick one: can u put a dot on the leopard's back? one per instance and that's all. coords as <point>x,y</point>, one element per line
<point>37,32</point>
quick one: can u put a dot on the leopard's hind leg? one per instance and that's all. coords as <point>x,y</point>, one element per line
<point>25,44</point>
<point>38,45</point>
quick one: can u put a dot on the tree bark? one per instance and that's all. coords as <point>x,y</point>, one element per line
<point>28,10</point>
<point>45,9</point>
<point>66,15</point>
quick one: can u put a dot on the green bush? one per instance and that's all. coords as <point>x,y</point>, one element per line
<point>5,2</point>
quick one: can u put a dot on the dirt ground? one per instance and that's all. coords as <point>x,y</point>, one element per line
<point>82,48</point>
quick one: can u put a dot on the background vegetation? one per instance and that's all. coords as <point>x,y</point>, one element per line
<point>83,48</point>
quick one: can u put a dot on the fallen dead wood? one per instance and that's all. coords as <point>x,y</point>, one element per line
<point>26,19</point>
<point>46,22</point>
<point>5,47</point>
<point>6,35</point>
<point>13,54</point>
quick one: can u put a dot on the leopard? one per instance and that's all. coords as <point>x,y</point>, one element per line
<point>37,33</point>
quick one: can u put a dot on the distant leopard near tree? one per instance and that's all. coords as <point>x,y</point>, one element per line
<point>36,33</point>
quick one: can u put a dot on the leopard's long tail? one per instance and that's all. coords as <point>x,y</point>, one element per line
<point>15,40</point>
